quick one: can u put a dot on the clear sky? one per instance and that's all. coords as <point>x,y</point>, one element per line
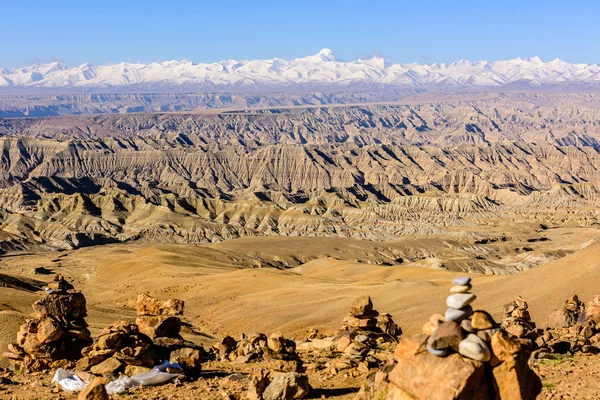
<point>204,31</point>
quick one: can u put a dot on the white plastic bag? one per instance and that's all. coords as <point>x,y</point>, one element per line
<point>120,385</point>
<point>69,381</point>
<point>157,375</point>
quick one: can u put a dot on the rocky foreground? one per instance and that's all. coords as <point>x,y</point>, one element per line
<point>463,354</point>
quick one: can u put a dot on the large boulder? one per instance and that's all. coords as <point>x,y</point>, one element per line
<point>571,313</point>
<point>148,305</point>
<point>159,326</point>
<point>513,379</point>
<point>287,386</point>
<point>420,375</point>
<point>63,307</point>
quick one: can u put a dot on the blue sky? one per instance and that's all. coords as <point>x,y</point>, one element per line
<point>403,31</point>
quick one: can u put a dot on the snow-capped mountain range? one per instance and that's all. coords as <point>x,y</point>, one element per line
<point>316,70</point>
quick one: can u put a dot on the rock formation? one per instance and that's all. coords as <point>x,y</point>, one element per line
<point>517,320</point>
<point>133,348</point>
<point>58,333</point>
<point>466,356</point>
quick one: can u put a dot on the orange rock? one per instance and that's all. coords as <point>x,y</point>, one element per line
<point>94,391</point>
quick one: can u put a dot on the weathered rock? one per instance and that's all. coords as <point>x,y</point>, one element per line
<point>592,309</point>
<point>159,326</point>
<point>63,307</point>
<point>109,340</point>
<point>287,386</point>
<point>447,335</point>
<point>513,378</point>
<point>258,384</point>
<point>48,330</point>
<point>361,306</point>
<point>147,305</point>
<point>107,366</point>
<point>482,320</point>
<point>94,391</point>
<point>131,370</point>
<point>419,375</point>
<point>362,321</point>
<point>572,312</point>
<point>190,360</point>
<point>387,325</point>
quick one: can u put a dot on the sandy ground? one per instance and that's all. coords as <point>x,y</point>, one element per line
<point>222,297</point>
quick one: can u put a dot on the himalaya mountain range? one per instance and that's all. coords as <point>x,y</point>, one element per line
<point>321,70</point>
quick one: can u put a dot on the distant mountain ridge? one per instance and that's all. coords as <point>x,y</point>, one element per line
<point>323,69</point>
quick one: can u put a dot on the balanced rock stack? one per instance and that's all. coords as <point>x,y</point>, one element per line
<point>364,329</point>
<point>462,330</point>
<point>463,355</point>
<point>280,354</point>
<point>57,334</point>
<point>517,320</point>
<point>160,321</point>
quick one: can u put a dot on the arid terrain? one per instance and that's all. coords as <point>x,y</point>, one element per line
<point>276,219</point>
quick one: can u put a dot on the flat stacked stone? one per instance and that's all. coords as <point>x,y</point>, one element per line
<point>461,330</point>
<point>57,334</point>
<point>517,320</point>
<point>364,328</point>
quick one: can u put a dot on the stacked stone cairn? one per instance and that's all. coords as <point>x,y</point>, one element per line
<point>135,348</point>
<point>57,334</point>
<point>278,352</point>
<point>517,320</point>
<point>364,329</point>
<point>572,328</point>
<point>462,355</point>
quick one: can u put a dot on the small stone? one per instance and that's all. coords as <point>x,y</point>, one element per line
<point>429,328</point>
<point>463,280</point>
<point>460,300</point>
<point>437,353</point>
<point>482,320</point>
<point>484,335</point>
<point>452,314</point>
<point>460,289</point>
<point>343,343</point>
<point>474,348</point>
<point>94,391</point>
<point>447,335</point>
<point>467,326</point>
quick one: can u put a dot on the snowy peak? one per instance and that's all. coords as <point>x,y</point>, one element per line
<point>321,69</point>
